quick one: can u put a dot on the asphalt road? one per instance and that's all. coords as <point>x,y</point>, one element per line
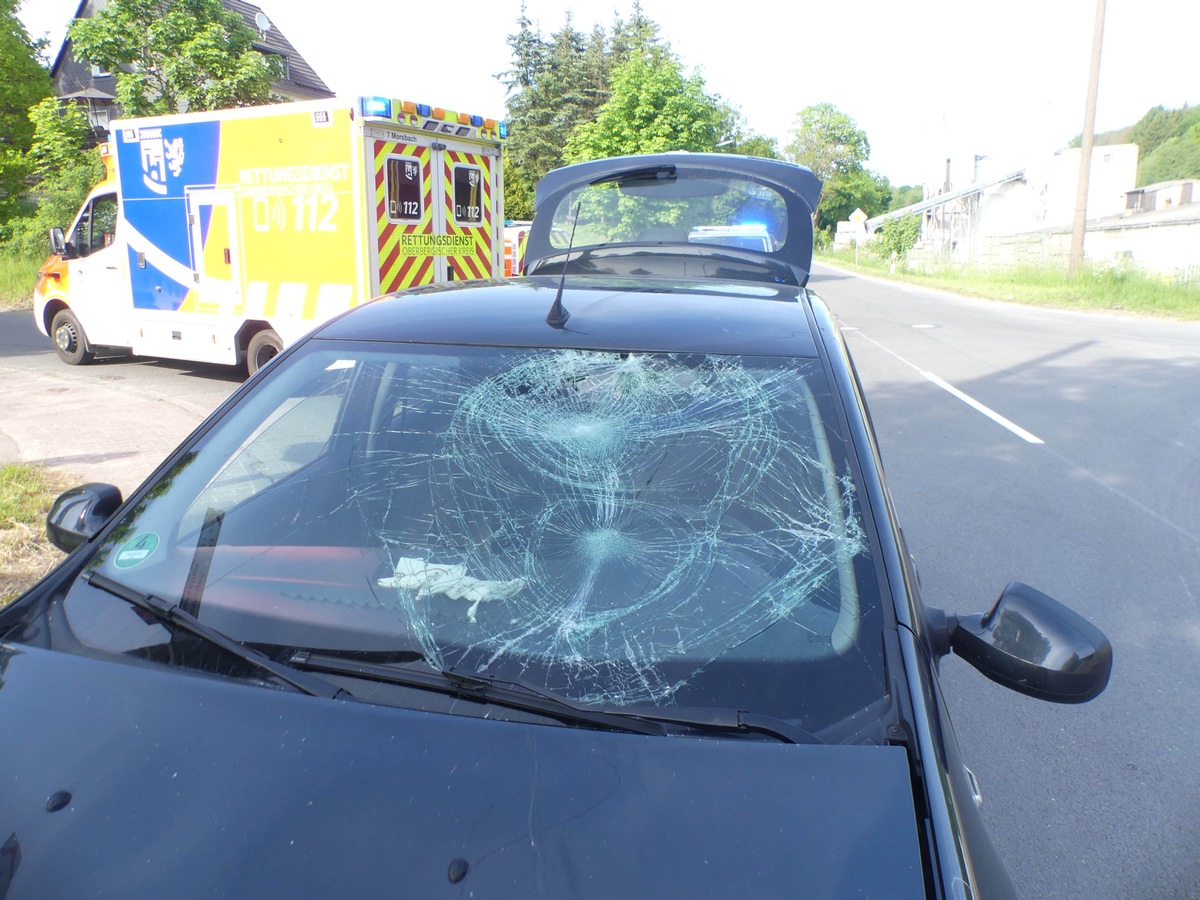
<point>1094,801</point>
<point>113,420</point>
<point>1059,449</point>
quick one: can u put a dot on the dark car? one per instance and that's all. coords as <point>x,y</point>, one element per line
<point>585,584</point>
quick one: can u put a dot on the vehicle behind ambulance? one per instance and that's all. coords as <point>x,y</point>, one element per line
<point>224,236</point>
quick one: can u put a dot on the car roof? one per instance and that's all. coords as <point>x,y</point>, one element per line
<point>605,313</point>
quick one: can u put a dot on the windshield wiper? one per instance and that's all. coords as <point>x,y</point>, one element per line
<point>735,721</point>
<point>698,719</point>
<point>527,697</point>
<point>509,694</point>
<point>177,618</point>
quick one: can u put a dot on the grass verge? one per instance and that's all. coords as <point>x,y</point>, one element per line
<point>17,275</point>
<point>1096,289</point>
<point>26,493</point>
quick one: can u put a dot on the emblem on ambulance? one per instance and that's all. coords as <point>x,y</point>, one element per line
<point>160,156</point>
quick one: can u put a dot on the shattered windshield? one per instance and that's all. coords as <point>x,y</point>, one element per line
<point>618,528</point>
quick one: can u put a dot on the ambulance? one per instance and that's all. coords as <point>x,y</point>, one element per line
<point>224,236</point>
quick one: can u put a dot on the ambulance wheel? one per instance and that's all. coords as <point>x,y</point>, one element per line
<point>69,340</point>
<point>263,347</point>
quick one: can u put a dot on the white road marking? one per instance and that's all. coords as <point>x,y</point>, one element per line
<point>965,398</point>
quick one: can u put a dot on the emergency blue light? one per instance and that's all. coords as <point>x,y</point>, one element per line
<point>424,109</point>
<point>477,121</point>
<point>503,129</point>
<point>376,106</point>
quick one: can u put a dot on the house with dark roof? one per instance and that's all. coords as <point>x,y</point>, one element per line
<point>78,82</point>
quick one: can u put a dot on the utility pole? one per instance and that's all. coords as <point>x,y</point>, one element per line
<point>1085,147</point>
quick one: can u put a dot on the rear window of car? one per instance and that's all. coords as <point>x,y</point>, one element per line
<point>682,209</point>
<point>619,528</point>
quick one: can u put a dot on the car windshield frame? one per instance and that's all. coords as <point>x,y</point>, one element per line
<point>722,417</point>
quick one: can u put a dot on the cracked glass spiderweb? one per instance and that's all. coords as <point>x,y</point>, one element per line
<point>645,514</point>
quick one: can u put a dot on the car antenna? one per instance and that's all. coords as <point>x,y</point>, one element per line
<point>558,315</point>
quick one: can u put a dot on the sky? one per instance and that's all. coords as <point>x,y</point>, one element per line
<point>926,80</point>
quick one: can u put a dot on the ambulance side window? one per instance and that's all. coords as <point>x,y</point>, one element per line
<point>104,221</point>
<point>468,195</point>
<point>405,193</point>
<point>97,226</point>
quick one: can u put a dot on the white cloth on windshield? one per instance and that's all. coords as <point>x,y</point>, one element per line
<point>428,578</point>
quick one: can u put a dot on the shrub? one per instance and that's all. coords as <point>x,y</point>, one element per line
<point>897,237</point>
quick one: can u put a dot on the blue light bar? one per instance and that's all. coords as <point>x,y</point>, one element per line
<point>376,106</point>
<point>503,129</point>
<point>477,121</point>
<point>424,109</point>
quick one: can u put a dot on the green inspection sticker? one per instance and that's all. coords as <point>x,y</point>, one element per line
<point>136,551</point>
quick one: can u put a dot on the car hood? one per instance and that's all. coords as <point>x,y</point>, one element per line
<point>128,781</point>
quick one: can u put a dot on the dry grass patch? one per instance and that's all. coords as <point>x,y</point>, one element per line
<point>26,493</point>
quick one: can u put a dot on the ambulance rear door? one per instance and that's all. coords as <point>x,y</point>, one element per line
<point>470,208</point>
<point>436,208</point>
<point>405,210</point>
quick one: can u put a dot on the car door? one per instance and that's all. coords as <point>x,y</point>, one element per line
<point>99,282</point>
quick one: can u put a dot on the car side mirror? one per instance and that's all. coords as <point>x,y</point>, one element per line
<point>79,514</point>
<point>58,242</point>
<point>1031,643</point>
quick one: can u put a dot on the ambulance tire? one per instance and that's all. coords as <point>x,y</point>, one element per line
<point>70,343</point>
<point>263,347</point>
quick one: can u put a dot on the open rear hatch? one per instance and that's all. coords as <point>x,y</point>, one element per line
<point>705,215</point>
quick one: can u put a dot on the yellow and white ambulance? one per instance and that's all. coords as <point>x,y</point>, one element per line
<point>224,236</point>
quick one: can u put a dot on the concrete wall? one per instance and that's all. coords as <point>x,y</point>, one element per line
<point>1164,244</point>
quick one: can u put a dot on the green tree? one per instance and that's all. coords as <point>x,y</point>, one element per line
<point>558,87</point>
<point>64,172</point>
<point>59,133</point>
<point>735,136</point>
<point>653,108</point>
<point>554,84</point>
<point>897,236</point>
<point>1156,127</point>
<point>518,195</point>
<point>827,141</point>
<point>831,144</point>
<point>847,191</point>
<point>1104,138</point>
<point>634,36</point>
<point>1177,157</point>
<point>23,82</point>
<point>906,195</point>
<point>172,55</point>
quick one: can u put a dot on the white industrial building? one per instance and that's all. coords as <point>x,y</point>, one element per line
<point>1000,211</point>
